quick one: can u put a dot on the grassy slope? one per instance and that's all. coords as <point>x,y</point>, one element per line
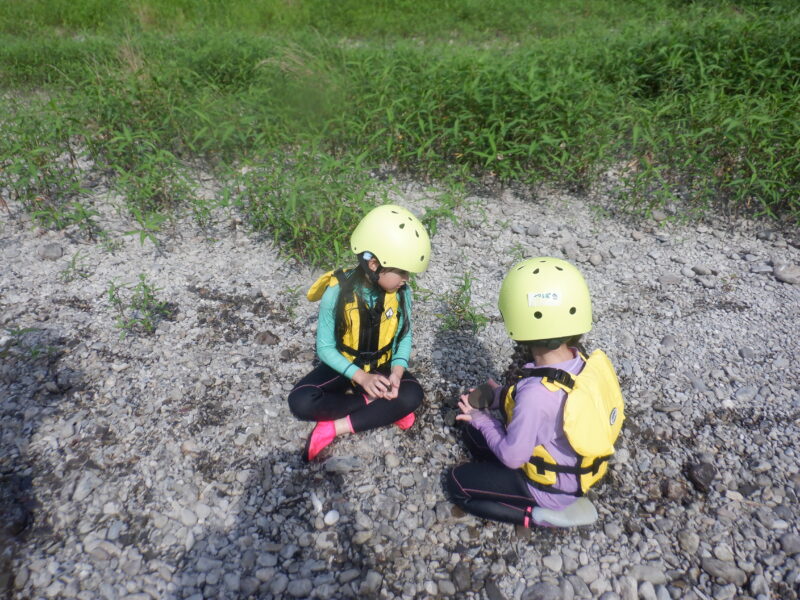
<point>698,98</point>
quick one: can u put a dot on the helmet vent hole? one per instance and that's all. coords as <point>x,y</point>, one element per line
<point>394,212</point>
<point>572,310</point>
<point>536,271</point>
<point>416,232</point>
<point>422,258</point>
<point>559,268</point>
<point>537,314</point>
<point>402,225</point>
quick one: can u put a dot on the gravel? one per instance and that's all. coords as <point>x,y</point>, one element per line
<point>168,465</point>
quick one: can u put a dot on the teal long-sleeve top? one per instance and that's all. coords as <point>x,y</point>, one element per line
<point>326,332</point>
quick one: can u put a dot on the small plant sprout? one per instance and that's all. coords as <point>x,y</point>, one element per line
<point>76,269</point>
<point>149,225</point>
<point>458,310</point>
<point>137,306</point>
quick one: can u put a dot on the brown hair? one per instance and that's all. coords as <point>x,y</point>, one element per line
<point>522,355</point>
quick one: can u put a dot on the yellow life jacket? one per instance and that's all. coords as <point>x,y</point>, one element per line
<point>593,415</point>
<point>364,335</point>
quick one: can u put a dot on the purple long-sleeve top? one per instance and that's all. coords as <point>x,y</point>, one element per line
<point>537,419</point>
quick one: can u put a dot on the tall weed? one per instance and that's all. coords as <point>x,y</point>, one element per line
<point>308,201</point>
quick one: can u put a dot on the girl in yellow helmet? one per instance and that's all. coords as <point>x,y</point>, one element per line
<point>540,455</point>
<point>364,334</point>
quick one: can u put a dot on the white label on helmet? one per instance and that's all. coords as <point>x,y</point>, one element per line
<point>612,417</point>
<point>543,299</point>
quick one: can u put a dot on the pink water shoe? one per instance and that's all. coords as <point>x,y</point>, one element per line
<point>406,422</point>
<point>322,435</point>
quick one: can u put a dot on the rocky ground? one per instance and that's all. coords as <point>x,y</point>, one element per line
<point>168,465</point>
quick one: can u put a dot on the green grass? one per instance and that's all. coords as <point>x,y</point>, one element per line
<point>308,200</point>
<point>137,306</point>
<point>698,99</point>
<point>457,310</point>
<point>469,20</point>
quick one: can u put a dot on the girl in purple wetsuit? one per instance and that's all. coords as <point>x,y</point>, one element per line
<point>546,307</point>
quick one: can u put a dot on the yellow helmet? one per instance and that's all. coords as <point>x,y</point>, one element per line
<point>395,236</point>
<point>544,298</point>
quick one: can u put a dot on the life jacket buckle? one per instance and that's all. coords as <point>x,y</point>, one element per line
<point>562,378</point>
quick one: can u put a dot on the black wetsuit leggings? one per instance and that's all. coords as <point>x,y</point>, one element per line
<point>321,396</point>
<point>487,488</point>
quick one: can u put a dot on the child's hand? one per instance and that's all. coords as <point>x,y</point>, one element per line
<point>394,390</point>
<point>375,384</point>
<point>394,379</point>
<point>466,409</point>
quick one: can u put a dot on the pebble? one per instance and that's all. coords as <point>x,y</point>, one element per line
<point>701,475</point>
<point>761,268</point>
<point>342,464</point>
<point>88,482</point>
<point>187,517</point>
<point>689,541</point>
<point>51,251</point>
<point>654,575</point>
<point>747,353</point>
<point>790,543</point>
<point>759,585</point>
<point>788,274</point>
<point>446,588</point>
<point>372,582</point>
<point>647,591</point>
<point>746,393</point>
<point>723,552</point>
<point>279,584</point>
<point>724,571</point>
<point>542,591</point>
<point>349,575</point>
<point>588,573</point>
<point>553,562</point>
<point>232,581</point>
<point>300,588</point>
<point>266,338</point>
<point>670,279</point>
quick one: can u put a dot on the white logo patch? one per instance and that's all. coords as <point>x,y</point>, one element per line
<point>612,419</point>
<point>389,313</point>
<point>543,299</point>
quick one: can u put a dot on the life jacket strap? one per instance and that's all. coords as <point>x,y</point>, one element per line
<point>558,376</point>
<point>364,358</point>
<point>542,466</point>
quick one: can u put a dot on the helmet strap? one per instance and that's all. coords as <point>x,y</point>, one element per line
<point>363,261</point>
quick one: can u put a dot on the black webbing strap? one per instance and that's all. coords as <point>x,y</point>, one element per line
<point>365,358</point>
<point>542,466</point>
<point>555,375</point>
<point>576,470</point>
